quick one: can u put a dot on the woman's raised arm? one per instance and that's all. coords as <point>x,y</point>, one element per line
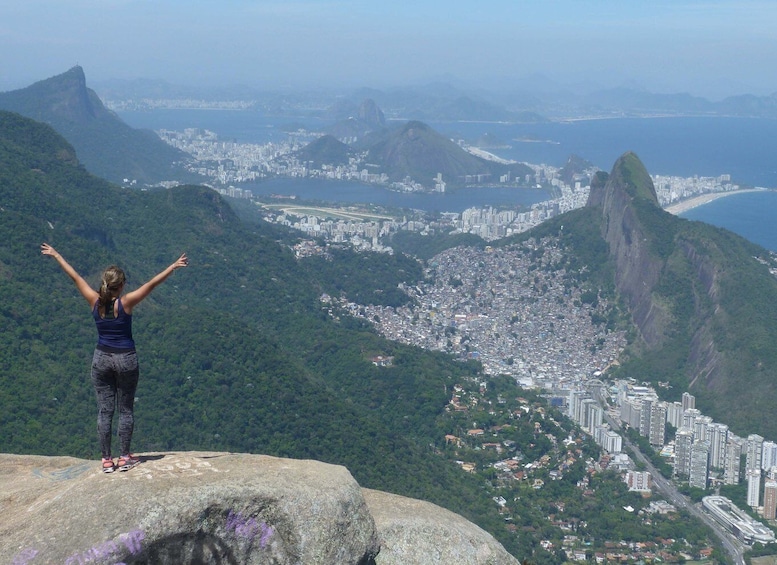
<point>132,299</point>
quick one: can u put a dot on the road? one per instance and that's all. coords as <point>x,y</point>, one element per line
<point>733,546</point>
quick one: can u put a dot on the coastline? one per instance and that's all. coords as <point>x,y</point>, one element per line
<point>685,205</point>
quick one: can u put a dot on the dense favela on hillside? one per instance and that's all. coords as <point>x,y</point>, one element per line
<point>491,306</point>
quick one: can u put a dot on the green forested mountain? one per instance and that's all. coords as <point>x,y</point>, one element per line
<point>237,352</point>
<point>106,145</point>
<point>702,301</point>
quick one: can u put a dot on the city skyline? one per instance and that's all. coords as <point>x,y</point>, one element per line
<point>706,48</point>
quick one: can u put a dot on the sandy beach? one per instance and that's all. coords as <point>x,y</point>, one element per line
<point>685,205</point>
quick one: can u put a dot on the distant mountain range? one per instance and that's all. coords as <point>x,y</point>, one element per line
<point>536,99</point>
<point>417,151</point>
<point>113,150</point>
<point>106,145</point>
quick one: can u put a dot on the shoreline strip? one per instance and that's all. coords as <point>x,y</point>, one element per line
<point>680,207</point>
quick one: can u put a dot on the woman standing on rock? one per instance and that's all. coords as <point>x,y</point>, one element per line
<point>115,363</point>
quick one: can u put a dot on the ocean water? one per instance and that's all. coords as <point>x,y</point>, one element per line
<point>753,215</point>
<point>745,148</point>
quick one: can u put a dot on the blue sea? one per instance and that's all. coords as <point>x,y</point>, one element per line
<point>745,148</point>
<point>751,215</point>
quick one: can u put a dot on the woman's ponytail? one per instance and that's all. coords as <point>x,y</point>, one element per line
<point>112,280</point>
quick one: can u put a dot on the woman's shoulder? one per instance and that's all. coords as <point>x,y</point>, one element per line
<point>121,307</point>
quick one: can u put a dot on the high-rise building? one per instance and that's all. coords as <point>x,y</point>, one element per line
<point>768,455</point>
<point>770,499</point>
<point>657,433</point>
<point>682,452</point>
<point>689,401</point>
<point>644,417</point>
<point>612,442</point>
<point>733,461</point>
<point>754,450</point>
<point>674,414</point>
<point>573,407</point>
<point>717,435</point>
<point>631,412</point>
<point>594,416</point>
<point>753,487</point>
<point>584,418</point>
<point>700,426</point>
<point>700,459</point>
<point>689,418</point>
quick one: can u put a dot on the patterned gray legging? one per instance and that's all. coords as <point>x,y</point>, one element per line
<point>115,378</point>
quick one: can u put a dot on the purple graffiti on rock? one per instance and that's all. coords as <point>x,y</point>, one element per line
<point>248,528</point>
<point>132,541</point>
<point>24,557</point>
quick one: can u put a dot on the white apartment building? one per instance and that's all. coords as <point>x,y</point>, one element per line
<point>682,452</point>
<point>753,487</point>
<point>674,414</point>
<point>754,451</point>
<point>717,435</point>
<point>768,455</point>
<point>657,434</point>
<point>700,458</point>
<point>733,461</point>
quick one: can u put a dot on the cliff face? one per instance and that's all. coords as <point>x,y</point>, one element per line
<point>179,508</point>
<point>701,299</point>
<point>638,270</point>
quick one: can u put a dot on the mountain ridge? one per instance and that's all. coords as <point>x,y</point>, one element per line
<point>105,145</point>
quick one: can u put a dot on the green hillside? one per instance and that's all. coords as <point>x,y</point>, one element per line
<point>237,353</point>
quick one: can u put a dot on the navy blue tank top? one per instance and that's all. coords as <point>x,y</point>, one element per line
<point>114,334</point>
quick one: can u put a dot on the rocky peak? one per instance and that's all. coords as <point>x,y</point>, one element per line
<point>629,176</point>
<point>638,268</point>
<point>371,114</point>
<point>67,96</point>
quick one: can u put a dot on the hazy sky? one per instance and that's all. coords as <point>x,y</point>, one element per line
<point>711,48</point>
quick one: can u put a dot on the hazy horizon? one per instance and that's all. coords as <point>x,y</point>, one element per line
<point>706,48</point>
